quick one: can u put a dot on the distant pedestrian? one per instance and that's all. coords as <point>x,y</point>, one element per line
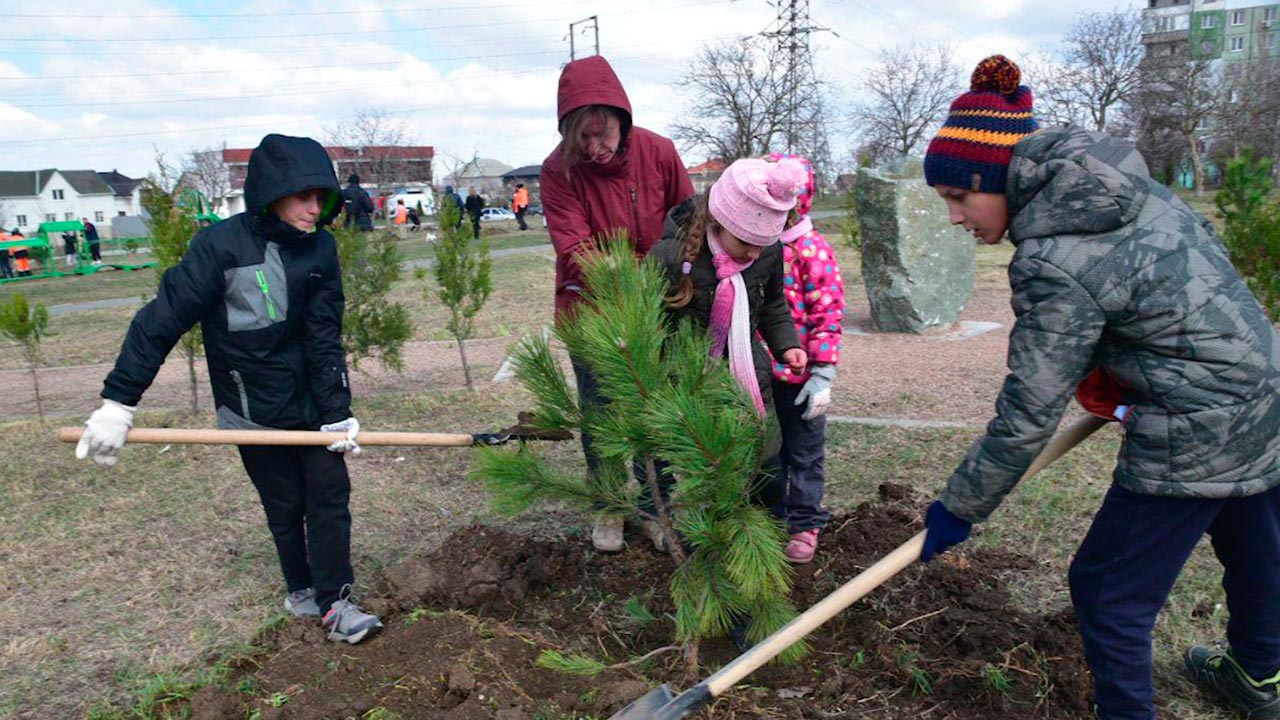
<point>474,206</point>
<point>6,270</point>
<point>91,237</point>
<point>451,195</point>
<point>21,257</point>
<point>69,247</point>
<point>357,204</point>
<point>519,204</point>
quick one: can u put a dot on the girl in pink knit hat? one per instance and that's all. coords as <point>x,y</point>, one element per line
<point>720,253</point>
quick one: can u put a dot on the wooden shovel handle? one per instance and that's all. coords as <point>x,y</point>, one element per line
<point>873,577</point>
<point>202,436</point>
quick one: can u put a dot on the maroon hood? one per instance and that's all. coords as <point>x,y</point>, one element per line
<point>591,81</point>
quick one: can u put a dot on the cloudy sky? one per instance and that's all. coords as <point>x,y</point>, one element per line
<point>99,85</point>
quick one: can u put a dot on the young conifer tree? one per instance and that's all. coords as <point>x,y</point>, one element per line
<point>26,326</point>
<point>172,228</point>
<point>373,326</point>
<point>463,284</point>
<point>670,400</point>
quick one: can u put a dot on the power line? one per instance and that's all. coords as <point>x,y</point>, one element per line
<point>344,33</point>
<point>112,136</point>
<point>17,101</point>
<point>178,16</point>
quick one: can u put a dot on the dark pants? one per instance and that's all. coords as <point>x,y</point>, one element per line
<point>1127,564</point>
<point>803,458</point>
<point>520,219</point>
<point>6,270</point>
<point>589,396</point>
<point>769,490</point>
<point>475,226</point>
<point>304,491</point>
<point>95,250</point>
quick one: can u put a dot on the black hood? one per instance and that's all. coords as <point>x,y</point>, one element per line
<point>281,166</point>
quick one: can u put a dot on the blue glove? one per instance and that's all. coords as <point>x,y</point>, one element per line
<point>942,531</point>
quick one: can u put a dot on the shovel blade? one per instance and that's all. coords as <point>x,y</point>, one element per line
<point>647,707</point>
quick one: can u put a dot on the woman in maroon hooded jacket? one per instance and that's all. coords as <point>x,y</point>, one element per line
<point>605,176</point>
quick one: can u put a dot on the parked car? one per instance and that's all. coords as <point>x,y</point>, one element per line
<point>533,209</point>
<point>496,213</point>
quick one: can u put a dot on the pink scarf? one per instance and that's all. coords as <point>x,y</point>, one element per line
<point>729,319</point>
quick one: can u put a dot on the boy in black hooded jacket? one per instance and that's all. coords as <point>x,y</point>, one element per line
<point>266,288</point>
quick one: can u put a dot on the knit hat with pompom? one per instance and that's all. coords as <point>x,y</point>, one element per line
<point>752,197</point>
<point>973,149</point>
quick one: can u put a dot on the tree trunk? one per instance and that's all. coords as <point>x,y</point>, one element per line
<point>195,386</point>
<point>691,674</point>
<point>664,514</point>
<point>35,383</point>
<point>462,351</point>
<point>1197,168</point>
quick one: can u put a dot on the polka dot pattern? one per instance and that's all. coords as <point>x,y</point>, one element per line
<point>814,290</point>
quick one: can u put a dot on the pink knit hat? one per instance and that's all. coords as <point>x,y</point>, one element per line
<point>752,197</point>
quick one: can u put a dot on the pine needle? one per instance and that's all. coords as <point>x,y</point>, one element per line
<point>573,664</point>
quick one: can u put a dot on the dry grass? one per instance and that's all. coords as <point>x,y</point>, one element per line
<point>113,575</point>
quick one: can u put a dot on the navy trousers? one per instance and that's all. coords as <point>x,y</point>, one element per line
<point>1126,566</point>
<point>768,490</point>
<point>803,460</point>
<point>305,492</point>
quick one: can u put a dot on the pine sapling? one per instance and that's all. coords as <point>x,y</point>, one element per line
<point>668,399</point>
<point>373,326</point>
<point>172,227</point>
<point>462,272</point>
<point>26,326</point>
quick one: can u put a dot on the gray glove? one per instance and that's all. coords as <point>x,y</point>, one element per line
<point>817,390</point>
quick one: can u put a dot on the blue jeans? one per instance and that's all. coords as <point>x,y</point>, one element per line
<point>1127,564</point>
<point>803,460</point>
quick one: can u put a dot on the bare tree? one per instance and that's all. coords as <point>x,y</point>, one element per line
<point>1249,110</point>
<point>206,172</point>
<point>909,89</point>
<point>1178,94</point>
<point>372,139</point>
<point>453,167</point>
<point>738,106</point>
<point>1104,55</point>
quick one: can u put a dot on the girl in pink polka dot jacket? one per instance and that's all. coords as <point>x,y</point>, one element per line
<point>815,291</point>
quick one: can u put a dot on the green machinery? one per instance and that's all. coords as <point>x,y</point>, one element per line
<point>198,205</point>
<point>45,252</point>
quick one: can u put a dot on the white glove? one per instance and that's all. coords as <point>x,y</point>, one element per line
<point>352,427</point>
<point>104,432</point>
<point>817,390</point>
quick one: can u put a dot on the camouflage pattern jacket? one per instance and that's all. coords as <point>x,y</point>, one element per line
<point>1111,270</point>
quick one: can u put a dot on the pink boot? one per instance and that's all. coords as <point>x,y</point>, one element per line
<point>802,546</point>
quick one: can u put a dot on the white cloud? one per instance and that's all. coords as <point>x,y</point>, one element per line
<point>467,76</point>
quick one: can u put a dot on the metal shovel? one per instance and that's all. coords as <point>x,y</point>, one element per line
<point>660,704</point>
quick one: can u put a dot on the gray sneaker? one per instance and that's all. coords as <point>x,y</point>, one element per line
<point>346,622</point>
<point>302,603</point>
<point>1214,669</point>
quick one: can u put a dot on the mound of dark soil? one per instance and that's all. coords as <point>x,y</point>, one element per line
<point>464,629</point>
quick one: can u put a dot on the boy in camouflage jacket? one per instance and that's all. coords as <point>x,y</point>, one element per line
<point>1116,279</point>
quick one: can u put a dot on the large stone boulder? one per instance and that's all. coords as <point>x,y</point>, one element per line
<point>918,268</point>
